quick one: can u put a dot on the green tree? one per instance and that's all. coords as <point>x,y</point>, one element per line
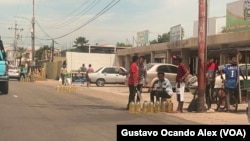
<point>21,53</point>
<point>40,53</point>
<point>123,45</point>
<point>165,37</point>
<point>224,30</point>
<point>154,41</point>
<point>80,42</point>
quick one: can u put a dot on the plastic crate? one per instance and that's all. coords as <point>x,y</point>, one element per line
<point>245,83</point>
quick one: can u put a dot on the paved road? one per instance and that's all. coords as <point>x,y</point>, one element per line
<point>36,112</point>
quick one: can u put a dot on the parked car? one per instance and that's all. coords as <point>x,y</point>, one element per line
<point>4,77</point>
<point>243,67</point>
<point>170,71</point>
<point>14,72</point>
<point>108,75</point>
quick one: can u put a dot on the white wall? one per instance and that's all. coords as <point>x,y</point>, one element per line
<point>214,26</point>
<point>75,60</point>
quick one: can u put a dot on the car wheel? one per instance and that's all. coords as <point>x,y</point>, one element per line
<point>100,82</point>
<point>5,88</point>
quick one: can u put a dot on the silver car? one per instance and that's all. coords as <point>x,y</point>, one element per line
<point>14,72</point>
<point>170,71</point>
<point>108,75</point>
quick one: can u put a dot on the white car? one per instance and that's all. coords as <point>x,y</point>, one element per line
<point>243,67</point>
<point>108,75</point>
<point>170,71</point>
<point>14,72</point>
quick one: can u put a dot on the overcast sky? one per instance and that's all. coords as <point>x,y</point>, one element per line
<point>99,21</point>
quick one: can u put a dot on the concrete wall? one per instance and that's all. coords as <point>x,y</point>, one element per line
<point>75,60</point>
<point>53,69</point>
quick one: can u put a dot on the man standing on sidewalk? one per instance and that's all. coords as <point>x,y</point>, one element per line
<point>89,70</point>
<point>142,76</point>
<point>133,79</point>
<point>182,73</point>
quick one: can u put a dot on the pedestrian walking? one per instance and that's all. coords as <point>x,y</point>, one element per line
<point>63,73</point>
<point>22,72</point>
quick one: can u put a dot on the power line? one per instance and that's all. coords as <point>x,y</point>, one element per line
<point>43,30</point>
<point>16,36</point>
<point>110,5</point>
<point>71,20</point>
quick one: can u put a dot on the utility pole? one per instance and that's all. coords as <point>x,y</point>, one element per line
<point>52,50</point>
<point>202,51</point>
<point>15,39</point>
<point>33,34</point>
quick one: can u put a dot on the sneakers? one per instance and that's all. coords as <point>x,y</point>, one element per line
<point>210,110</point>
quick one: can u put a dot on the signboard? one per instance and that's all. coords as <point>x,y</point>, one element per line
<point>246,9</point>
<point>237,17</point>
<point>142,38</point>
<point>175,33</point>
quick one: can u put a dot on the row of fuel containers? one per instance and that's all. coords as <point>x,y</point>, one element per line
<point>26,80</point>
<point>150,107</point>
<point>67,89</point>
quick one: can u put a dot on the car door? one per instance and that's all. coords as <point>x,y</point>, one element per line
<point>171,75</point>
<point>245,73</point>
<point>121,75</point>
<point>109,74</point>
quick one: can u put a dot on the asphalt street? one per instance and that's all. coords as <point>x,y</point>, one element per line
<point>36,112</point>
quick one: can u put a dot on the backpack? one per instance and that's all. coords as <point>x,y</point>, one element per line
<point>193,105</point>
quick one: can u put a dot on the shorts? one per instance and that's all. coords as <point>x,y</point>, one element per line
<point>180,92</point>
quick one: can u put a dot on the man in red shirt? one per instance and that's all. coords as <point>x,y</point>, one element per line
<point>133,79</point>
<point>211,69</point>
<point>182,73</point>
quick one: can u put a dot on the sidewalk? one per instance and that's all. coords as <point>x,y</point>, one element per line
<point>107,92</point>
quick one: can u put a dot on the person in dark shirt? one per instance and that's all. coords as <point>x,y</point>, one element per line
<point>211,70</point>
<point>142,76</point>
<point>83,68</point>
<point>182,73</point>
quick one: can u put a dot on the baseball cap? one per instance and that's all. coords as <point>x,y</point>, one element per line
<point>176,57</point>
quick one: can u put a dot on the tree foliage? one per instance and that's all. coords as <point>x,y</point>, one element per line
<point>40,53</point>
<point>21,53</point>
<point>80,42</point>
<point>123,45</point>
<point>165,37</point>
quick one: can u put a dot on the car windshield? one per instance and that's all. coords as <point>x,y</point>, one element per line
<point>12,67</point>
<point>98,69</point>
